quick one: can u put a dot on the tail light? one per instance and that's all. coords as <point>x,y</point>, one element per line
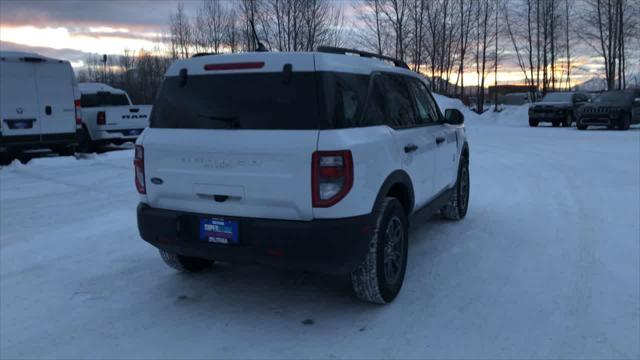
<point>138,165</point>
<point>78,109</point>
<point>331,177</point>
<point>101,118</point>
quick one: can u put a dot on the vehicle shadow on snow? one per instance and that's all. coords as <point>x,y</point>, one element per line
<point>27,156</point>
<point>256,291</point>
<point>604,128</point>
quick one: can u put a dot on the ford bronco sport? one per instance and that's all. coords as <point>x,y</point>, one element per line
<point>310,160</point>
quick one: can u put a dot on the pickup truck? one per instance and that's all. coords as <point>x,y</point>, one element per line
<point>108,116</point>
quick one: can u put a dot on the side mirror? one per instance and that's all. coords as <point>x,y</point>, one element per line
<point>453,117</point>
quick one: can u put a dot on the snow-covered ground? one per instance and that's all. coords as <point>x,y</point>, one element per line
<point>546,265</point>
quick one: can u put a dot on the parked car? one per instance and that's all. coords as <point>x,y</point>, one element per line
<point>309,160</point>
<point>611,109</point>
<point>108,116</point>
<point>39,103</point>
<point>557,108</point>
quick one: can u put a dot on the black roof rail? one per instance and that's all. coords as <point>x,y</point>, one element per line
<point>345,51</point>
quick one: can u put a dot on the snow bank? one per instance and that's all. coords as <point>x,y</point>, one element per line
<point>511,115</point>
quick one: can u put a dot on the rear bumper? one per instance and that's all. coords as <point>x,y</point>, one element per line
<point>119,134</point>
<point>599,119</point>
<point>37,141</point>
<point>548,117</point>
<point>335,246</point>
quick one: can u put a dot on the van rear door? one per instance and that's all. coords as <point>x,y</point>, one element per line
<point>234,136</point>
<point>19,106</point>
<point>55,88</point>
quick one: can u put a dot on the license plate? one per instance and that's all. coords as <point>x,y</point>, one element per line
<point>219,231</point>
<point>20,124</point>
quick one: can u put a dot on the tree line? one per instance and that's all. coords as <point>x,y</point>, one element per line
<point>447,40</point>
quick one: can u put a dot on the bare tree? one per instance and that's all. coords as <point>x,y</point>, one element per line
<point>483,40</point>
<point>396,12</point>
<point>607,26</point>
<point>375,34</point>
<point>210,25</point>
<point>181,33</point>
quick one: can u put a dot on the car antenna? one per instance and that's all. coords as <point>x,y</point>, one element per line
<point>259,46</point>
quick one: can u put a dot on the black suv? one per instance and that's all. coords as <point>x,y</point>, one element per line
<point>556,108</point>
<point>611,109</point>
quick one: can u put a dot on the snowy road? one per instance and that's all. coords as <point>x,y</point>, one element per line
<point>546,265</point>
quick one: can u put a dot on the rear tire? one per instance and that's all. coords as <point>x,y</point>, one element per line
<point>625,123</point>
<point>533,123</point>
<point>185,263</point>
<point>65,150</point>
<point>6,158</point>
<point>580,125</point>
<point>86,145</point>
<point>456,208</point>
<point>380,276</point>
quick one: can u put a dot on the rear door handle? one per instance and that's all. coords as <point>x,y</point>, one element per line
<point>439,140</point>
<point>410,148</point>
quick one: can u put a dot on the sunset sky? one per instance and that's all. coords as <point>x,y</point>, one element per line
<point>74,29</point>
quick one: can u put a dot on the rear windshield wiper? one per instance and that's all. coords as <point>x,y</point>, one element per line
<point>231,121</point>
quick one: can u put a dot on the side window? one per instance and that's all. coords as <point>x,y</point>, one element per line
<point>375,109</point>
<point>427,109</point>
<point>399,110</point>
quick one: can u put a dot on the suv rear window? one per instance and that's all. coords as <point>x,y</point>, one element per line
<point>257,101</point>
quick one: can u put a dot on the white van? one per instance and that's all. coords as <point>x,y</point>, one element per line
<point>39,103</point>
<point>108,116</point>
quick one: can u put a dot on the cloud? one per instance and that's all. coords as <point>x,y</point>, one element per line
<point>88,40</point>
<point>139,15</point>
<point>76,57</point>
<point>66,54</point>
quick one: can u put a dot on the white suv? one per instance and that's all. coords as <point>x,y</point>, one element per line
<point>312,160</point>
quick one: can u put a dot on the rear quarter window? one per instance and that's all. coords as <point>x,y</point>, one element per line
<point>399,110</point>
<point>345,99</point>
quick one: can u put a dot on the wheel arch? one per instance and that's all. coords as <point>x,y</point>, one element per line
<point>398,184</point>
<point>465,151</point>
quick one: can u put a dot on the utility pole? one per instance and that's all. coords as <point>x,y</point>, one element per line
<point>104,64</point>
<point>495,87</point>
